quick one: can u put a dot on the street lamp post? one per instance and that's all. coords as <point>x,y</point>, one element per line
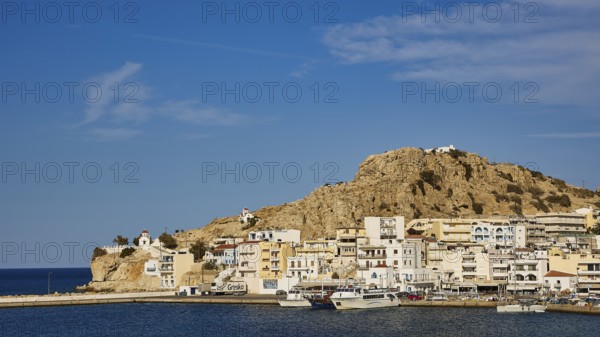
<point>49,273</point>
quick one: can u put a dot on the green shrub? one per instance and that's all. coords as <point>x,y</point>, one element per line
<point>535,191</point>
<point>210,265</point>
<point>421,186</point>
<point>98,252</point>
<point>167,240</point>
<point>335,276</point>
<point>506,176</point>
<point>502,198</point>
<point>540,205</point>
<point>468,171</point>
<point>559,183</point>
<point>562,200</point>
<point>126,252</point>
<point>515,199</point>
<point>431,178</point>
<point>512,188</point>
<point>478,208</point>
<point>457,154</point>
<point>198,249</point>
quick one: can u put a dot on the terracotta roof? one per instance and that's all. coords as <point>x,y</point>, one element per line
<point>414,236</point>
<point>145,231</point>
<point>556,273</point>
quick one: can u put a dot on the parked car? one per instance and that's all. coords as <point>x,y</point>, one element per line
<point>414,297</point>
<point>280,292</point>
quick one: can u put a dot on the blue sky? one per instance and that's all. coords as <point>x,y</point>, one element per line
<point>163,118</point>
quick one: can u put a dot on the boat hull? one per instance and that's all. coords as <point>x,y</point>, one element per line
<point>294,303</point>
<point>521,308</point>
<point>360,303</point>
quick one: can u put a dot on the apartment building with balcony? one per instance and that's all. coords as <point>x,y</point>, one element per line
<point>248,256</point>
<point>273,259</point>
<point>172,267</point>
<point>347,241</point>
<point>498,233</point>
<point>526,271</point>
<point>557,224</point>
<point>384,230</point>
<point>314,259</point>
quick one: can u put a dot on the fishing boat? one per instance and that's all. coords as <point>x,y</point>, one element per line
<point>351,297</point>
<point>300,294</point>
<point>296,297</point>
<point>322,301</point>
<point>524,305</point>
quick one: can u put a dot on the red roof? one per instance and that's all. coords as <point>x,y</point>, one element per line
<point>414,236</point>
<point>556,273</point>
<point>223,247</point>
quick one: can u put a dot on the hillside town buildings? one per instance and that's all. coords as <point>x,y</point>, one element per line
<point>550,253</point>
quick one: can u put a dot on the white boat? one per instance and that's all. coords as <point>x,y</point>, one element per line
<point>295,298</point>
<point>350,297</point>
<point>523,306</point>
<point>300,294</point>
<point>439,297</point>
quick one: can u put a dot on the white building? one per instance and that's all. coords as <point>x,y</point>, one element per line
<point>500,233</point>
<point>441,149</point>
<point>278,235</point>
<point>384,230</point>
<point>557,281</point>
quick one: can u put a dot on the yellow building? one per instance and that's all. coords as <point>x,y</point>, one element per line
<point>273,259</point>
<point>585,266</point>
<point>348,239</point>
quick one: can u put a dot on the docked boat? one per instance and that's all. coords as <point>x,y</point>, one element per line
<point>300,294</point>
<point>350,297</point>
<point>439,297</point>
<point>522,306</point>
<point>322,301</point>
<point>295,298</point>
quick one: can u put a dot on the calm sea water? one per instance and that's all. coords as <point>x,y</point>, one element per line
<point>35,281</point>
<point>260,320</point>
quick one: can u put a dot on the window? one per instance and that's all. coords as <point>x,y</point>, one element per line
<point>395,251</point>
<point>395,262</point>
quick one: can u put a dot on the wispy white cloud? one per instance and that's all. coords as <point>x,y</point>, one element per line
<point>132,106</point>
<point>573,135</point>
<point>303,69</point>
<point>119,134</point>
<point>557,52</point>
<point>119,97</point>
<point>191,111</point>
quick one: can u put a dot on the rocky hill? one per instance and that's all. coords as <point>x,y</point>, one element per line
<point>415,184</point>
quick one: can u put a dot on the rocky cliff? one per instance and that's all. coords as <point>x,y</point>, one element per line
<point>113,274</point>
<point>413,183</point>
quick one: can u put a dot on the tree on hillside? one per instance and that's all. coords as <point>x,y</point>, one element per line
<point>167,240</point>
<point>198,249</point>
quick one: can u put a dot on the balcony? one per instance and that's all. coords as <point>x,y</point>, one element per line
<point>274,268</point>
<point>469,272</point>
<point>298,268</point>
<point>469,264</point>
<point>589,272</point>
<point>372,256</point>
<point>247,267</point>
